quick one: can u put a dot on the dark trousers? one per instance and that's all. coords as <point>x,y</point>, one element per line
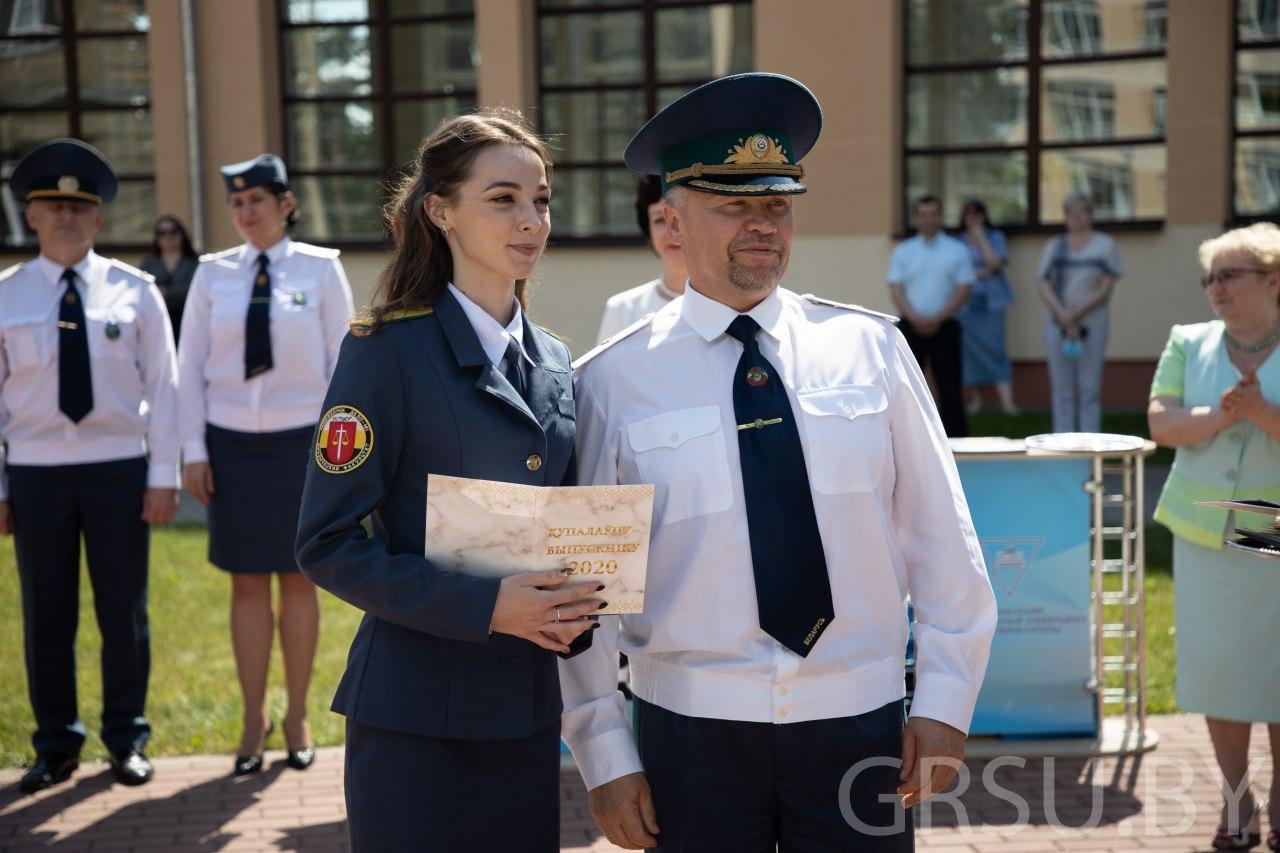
<point>410,792</point>
<point>942,350</point>
<point>52,506</point>
<point>724,785</point>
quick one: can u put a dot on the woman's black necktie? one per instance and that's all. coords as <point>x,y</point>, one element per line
<point>257,324</point>
<point>75,380</point>
<point>513,373</point>
<point>793,592</point>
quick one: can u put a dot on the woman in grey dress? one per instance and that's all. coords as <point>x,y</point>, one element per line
<point>1077,272</point>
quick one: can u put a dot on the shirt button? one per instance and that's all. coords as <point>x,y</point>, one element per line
<point>782,712</point>
<point>783,691</point>
<point>1230,474</point>
<point>534,462</point>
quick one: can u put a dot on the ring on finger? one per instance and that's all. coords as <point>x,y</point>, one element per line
<point>557,614</point>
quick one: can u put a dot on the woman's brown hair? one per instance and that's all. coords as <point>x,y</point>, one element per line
<point>421,265</point>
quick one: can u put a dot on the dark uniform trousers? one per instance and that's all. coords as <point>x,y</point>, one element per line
<point>52,506</point>
<point>725,786</point>
<point>942,349</point>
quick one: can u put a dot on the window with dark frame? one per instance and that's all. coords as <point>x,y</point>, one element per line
<point>1022,102</point>
<point>1256,113</point>
<point>79,68</point>
<point>605,67</point>
<point>363,82</point>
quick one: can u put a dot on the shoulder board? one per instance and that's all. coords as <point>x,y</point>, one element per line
<point>818,300</point>
<point>614,338</point>
<point>130,269</point>
<point>314,250</point>
<point>217,256</point>
<point>12,271</point>
<point>362,326</point>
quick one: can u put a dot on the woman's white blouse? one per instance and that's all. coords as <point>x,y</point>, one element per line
<point>310,309</point>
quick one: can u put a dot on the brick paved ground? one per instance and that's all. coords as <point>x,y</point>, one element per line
<point>194,805</point>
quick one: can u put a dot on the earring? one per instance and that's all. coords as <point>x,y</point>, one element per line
<point>444,232</point>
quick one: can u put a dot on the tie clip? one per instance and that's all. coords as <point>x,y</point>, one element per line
<point>759,423</point>
<point>67,324</point>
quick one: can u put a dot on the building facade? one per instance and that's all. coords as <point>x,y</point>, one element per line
<point>1166,111</point>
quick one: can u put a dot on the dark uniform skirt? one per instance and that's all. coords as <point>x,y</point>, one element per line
<point>257,483</point>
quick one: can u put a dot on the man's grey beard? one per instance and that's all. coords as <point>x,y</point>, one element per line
<point>753,279</point>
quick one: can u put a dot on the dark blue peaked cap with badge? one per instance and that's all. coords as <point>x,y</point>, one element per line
<point>265,170</point>
<point>64,170</point>
<point>739,135</point>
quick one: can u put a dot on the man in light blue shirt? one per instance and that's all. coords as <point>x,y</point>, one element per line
<point>930,276</point>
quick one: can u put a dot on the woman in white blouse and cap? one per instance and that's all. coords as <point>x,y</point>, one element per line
<point>259,343</point>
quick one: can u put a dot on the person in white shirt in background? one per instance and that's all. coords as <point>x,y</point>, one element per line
<point>259,341</point>
<point>626,307</point>
<point>87,410</point>
<point>804,489</point>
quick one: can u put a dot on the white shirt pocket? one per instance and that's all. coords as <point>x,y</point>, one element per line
<point>848,436</point>
<point>683,454</point>
<point>24,342</point>
<point>294,298</point>
<point>113,332</point>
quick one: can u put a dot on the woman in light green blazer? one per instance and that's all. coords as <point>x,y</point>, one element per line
<point>1216,398</point>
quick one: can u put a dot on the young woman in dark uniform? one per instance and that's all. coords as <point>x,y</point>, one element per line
<point>259,343</point>
<point>451,691</point>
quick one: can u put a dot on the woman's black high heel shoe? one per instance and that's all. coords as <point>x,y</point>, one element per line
<point>247,765</point>
<point>300,759</point>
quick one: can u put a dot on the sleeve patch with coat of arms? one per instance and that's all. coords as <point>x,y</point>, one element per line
<point>344,440</point>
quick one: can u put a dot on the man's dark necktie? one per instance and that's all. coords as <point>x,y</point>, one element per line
<point>257,324</point>
<point>75,381</point>
<point>793,591</point>
<point>513,374</point>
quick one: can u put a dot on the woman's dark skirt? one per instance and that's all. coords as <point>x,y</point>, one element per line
<point>257,490</point>
<point>409,792</point>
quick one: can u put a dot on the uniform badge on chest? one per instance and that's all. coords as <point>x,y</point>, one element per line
<point>299,298</point>
<point>113,331</point>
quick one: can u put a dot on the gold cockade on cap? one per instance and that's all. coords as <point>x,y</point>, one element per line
<point>757,149</point>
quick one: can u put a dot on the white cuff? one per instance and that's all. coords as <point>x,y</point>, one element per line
<point>945,699</point>
<point>163,475</point>
<point>606,757</point>
<point>194,451</point>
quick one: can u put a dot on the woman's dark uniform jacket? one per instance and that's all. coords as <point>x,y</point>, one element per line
<point>423,661</point>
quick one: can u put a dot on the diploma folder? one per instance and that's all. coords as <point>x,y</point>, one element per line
<point>495,529</point>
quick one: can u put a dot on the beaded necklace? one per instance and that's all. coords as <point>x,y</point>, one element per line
<point>1268,341</point>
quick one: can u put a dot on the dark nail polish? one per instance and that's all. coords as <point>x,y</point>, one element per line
<point>603,605</point>
<point>600,588</point>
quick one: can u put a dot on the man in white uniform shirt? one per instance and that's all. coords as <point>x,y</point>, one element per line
<point>626,307</point>
<point>804,489</point>
<point>87,410</point>
<point>930,277</point>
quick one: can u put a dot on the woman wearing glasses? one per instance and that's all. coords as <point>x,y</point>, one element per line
<point>172,263</point>
<point>1216,398</point>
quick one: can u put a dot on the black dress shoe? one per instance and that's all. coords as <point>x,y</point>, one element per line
<point>132,767</point>
<point>49,769</point>
<point>301,759</point>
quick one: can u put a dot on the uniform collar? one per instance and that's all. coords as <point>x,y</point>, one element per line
<point>52,271</point>
<point>492,334</point>
<point>277,253</point>
<point>710,318</point>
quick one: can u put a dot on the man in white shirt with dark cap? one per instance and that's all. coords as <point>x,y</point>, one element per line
<point>87,410</point>
<point>805,489</point>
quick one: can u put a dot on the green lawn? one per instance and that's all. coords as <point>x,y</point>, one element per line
<point>194,700</point>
